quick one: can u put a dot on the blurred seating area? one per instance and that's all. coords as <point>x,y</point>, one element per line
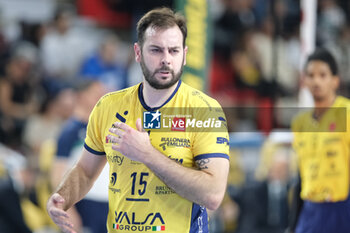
<point>48,46</point>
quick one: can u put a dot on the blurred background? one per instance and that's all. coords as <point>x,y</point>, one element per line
<point>248,54</point>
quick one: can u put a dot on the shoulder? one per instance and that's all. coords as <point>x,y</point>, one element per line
<point>343,102</point>
<point>197,98</point>
<point>118,96</point>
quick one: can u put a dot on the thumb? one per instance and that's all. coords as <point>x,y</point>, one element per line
<point>139,125</point>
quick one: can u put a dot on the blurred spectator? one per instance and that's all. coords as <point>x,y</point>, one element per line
<point>340,49</point>
<point>55,108</point>
<point>62,48</point>
<point>103,65</point>
<point>331,20</point>
<point>21,195</point>
<point>267,194</point>
<point>237,17</point>
<point>69,144</point>
<point>11,186</point>
<point>245,63</point>
<point>17,99</point>
<point>225,219</point>
<point>33,32</point>
<point>4,52</point>
<point>273,57</point>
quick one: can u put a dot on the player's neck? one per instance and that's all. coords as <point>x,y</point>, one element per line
<point>321,106</point>
<point>326,102</point>
<point>156,97</point>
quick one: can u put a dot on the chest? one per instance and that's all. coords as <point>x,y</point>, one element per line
<point>176,145</point>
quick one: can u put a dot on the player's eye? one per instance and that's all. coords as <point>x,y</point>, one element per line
<point>174,51</point>
<point>323,75</point>
<point>155,50</point>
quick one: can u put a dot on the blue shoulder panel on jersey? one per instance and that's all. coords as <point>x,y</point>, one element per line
<point>143,103</point>
<point>93,151</point>
<point>212,155</point>
<point>199,219</point>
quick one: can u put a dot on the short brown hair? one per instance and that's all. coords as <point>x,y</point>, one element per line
<point>162,18</point>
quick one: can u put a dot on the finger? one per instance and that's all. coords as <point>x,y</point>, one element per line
<point>58,213</point>
<point>114,139</point>
<point>67,229</point>
<point>63,223</point>
<point>117,131</point>
<point>139,126</point>
<point>121,125</point>
<point>116,147</point>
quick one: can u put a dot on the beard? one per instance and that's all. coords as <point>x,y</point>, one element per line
<point>152,80</point>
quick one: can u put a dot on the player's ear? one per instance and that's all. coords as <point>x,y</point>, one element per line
<point>137,50</point>
<point>185,54</point>
<point>336,82</point>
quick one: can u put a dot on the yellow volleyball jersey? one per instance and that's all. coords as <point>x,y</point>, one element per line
<point>138,200</point>
<point>322,148</point>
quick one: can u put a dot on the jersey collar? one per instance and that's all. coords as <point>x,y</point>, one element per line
<point>143,103</point>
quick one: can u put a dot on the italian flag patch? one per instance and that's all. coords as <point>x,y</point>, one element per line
<point>158,228</point>
<point>115,226</point>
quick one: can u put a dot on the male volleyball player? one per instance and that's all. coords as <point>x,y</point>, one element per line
<point>322,143</point>
<point>159,181</point>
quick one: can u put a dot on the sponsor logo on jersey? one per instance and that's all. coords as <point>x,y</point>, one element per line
<point>180,161</point>
<point>120,117</point>
<point>112,183</point>
<point>114,158</point>
<point>152,120</point>
<point>221,140</point>
<point>163,190</point>
<point>174,142</point>
<point>113,178</point>
<point>133,222</point>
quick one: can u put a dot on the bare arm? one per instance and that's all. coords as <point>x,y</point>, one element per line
<point>80,178</point>
<point>59,168</point>
<point>76,183</point>
<point>205,185</point>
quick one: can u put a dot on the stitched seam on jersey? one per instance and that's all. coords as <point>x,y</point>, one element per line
<point>212,155</point>
<point>93,151</point>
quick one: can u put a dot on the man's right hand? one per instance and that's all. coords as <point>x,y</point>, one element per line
<point>58,215</point>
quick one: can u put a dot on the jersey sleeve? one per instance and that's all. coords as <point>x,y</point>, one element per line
<point>93,141</point>
<point>212,141</point>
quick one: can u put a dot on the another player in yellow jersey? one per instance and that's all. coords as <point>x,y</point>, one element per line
<point>166,143</point>
<point>322,143</point>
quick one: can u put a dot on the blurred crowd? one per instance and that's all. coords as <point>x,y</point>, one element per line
<point>255,75</point>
